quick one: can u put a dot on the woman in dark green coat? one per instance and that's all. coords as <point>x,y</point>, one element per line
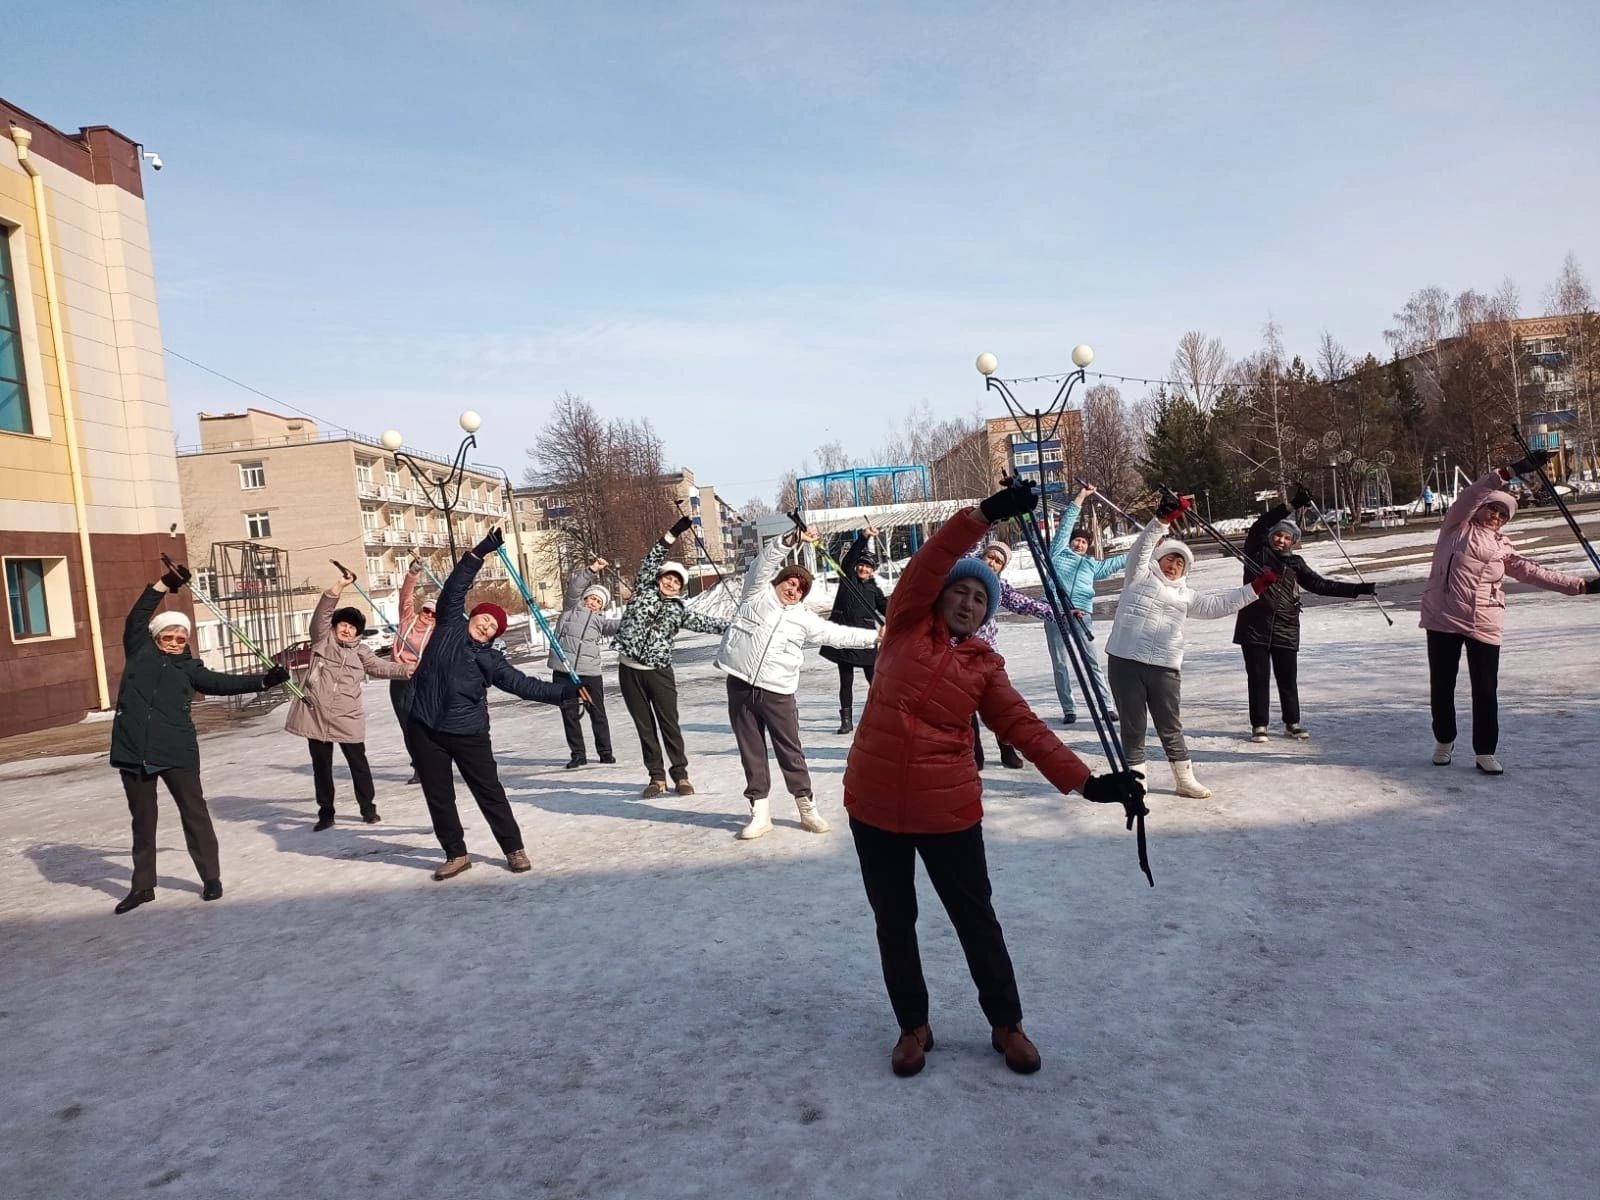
<point>153,735</point>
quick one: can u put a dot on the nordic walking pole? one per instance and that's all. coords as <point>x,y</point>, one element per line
<point>350,578</point>
<point>294,688</point>
<point>1218,536</point>
<point>794,515</point>
<point>699,541</point>
<point>1566,512</point>
<point>1104,499</point>
<point>550,634</point>
<point>1313,506</point>
<point>1078,655</point>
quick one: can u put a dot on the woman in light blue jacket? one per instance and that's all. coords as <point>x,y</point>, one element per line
<point>1078,571</point>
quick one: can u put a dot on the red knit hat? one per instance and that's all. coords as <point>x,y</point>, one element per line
<point>495,611</point>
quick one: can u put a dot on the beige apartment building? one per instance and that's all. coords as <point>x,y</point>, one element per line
<point>88,486</point>
<point>314,495</point>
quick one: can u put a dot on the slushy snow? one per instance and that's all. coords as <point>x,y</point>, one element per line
<point>1358,975</point>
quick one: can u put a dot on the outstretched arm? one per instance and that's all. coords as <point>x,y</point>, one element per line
<point>1007,713</point>
<point>508,679</point>
<point>381,668</point>
<point>1208,606</point>
<point>217,683</point>
<point>1014,601</point>
<point>1312,582</point>
<point>701,623</point>
<point>1528,571</point>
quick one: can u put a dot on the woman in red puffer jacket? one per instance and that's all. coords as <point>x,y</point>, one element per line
<point>911,786</point>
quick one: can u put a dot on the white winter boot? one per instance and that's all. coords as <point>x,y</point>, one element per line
<point>810,819</point>
<point>760,820</point>
<point>1490,765</point>
<point>1188,785</point>
<point>1442,752</point>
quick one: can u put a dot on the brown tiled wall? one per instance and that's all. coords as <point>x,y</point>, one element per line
<point>52,683</point>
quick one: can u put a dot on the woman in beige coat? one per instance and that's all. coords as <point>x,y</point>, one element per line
<point>332,711</point>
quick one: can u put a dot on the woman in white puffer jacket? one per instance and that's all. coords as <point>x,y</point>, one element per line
<point>762,652</point>
<point>1145,650</point>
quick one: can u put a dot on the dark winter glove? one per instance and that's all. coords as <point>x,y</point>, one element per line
<point>276,677</point>
<point>1263,581</point>
<point>1010,501</point>
<point>1301,497</point>
<point>1535,461</point>
<point>680,527</point>
<point>1172,507</point>
<point>490,544</point>
<point>1366,589</point>
<point>176,577</point>
<point>1119,787</point>
<point>1592,588</point>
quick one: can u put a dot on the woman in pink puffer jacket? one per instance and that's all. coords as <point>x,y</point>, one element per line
<point>1464,605</point>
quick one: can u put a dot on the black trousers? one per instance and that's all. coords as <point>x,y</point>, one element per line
<point>960,874</point>
<point>572,716</point>
<point>755,716</point>
<point>198,834</point>
<point>652,700</point>
<point>1261,664</point>
<point>1483,672</point>
<point>847,690</point>
<point>473,755</point>
<point>355,754</point>
<point>400,701</point>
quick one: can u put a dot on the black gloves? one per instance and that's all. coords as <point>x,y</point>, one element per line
<point>276,677</point>
<point>490,544</point>
<point>681,526</point>
<point>1301,497</point>
<point>1592,588</point>
<point>177,575</point>
<point>1011,501</point>
<point>1119,787</point>
<point>1534,462</point>
<point>1366,589</point>
<point>1172,507</point>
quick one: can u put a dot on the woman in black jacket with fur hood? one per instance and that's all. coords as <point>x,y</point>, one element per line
<point>1267,630</point>
<point>859,603</point>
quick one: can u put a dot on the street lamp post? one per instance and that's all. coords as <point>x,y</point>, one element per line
<point>511,517</point>
<point>447,486</point>
<point>987,365</point>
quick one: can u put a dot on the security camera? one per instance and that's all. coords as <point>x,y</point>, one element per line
<point>153,159</point>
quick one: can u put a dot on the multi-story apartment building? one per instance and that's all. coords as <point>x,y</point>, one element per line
<point>317,495</point>
<point>88,487</point>
<point>1005,446</point>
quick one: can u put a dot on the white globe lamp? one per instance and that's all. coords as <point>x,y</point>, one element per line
<point>987,363</point>
<point>471,421</point>
<point>391,440</point>
<point>1082,356</point>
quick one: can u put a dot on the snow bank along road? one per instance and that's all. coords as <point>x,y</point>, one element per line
<point>1358,976</point>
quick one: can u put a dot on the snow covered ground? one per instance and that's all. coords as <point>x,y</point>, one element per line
<point>1358,975</point>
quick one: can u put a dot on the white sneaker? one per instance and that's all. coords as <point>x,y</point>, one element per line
<point>810,819</point>
<point>1441,753</point>
<point>1188,785</point>
<point>1258,733</point>
<point>1490,765</point>
<point>760,821</point>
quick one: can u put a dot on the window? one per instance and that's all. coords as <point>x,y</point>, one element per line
<point>369,519</point>
<point>258,525</point>
<point>363,471</point>
<point>397,519</point>
<point>391,477</point>
<point>15,414</point>
<point>374,567</point>
<point>39,599</point>
<point>267,572</point>
<point>252,476</point>
<point>205,580</point>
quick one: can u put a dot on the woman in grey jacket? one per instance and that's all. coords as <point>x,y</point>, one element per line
<point>332,711</point>
<point>582,632</point>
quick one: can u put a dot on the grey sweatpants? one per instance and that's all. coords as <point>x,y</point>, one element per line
<point>755,715</point>
<point>1139,688</point>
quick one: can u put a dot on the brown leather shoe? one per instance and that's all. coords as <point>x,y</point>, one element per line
<point>451,867</point>
<point>907,1057</point>
<point>656,787</point>
<point>685,788</point>
<point>1022,1056</point>
<point>517,862</point>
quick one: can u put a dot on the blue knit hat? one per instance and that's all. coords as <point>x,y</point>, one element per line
<point>976,568</point>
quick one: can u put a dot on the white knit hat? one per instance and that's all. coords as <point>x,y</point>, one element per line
<point>166,620</point>
<point>600,590</point>
<point>1181,549</point>
<point>674,568</point>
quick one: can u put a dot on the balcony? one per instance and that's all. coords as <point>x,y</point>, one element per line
<point>372,537</point>
<point>368,491</point>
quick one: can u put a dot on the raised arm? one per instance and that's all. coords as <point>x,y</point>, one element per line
<point>136,629</point>
<point>1061,541</point>
<point>923,579</point>
<point>1471,497</point>
<point>408,596</point>
<point>322,614</point>
<point>1144,546</point>
<point>577,585</point>
<point>452,604</point>
<point>853,555</point>
<point>1256,539</point>
<point>765,567</point>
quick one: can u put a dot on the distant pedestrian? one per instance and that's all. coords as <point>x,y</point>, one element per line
<point>582,632</point>
<point>859,603</point>
<point>1427,500</point>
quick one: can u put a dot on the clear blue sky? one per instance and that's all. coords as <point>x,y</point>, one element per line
<point>766,226</point>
